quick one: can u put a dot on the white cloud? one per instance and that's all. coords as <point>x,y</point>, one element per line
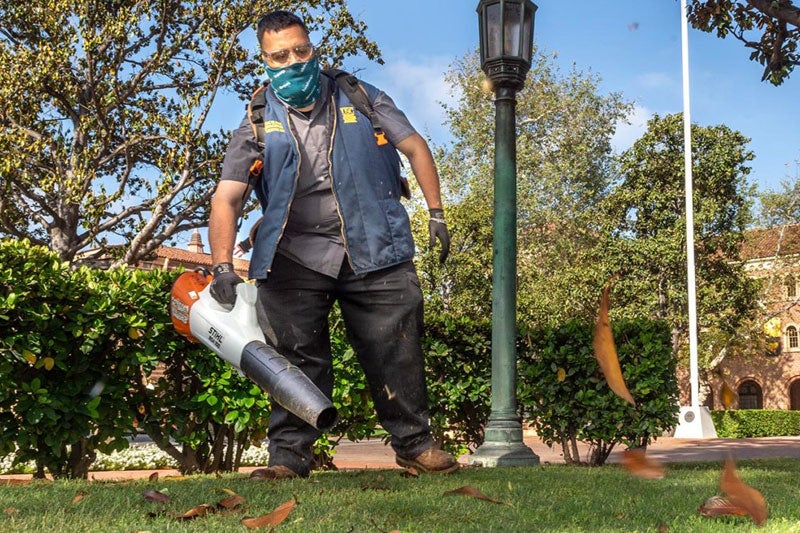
<point>630,128</point>
<point>418,88</point>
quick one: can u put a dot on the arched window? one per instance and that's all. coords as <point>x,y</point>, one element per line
<point>791,286</point>
<point>750,396</point>
<point>794,395</point>
<point>791,338</point>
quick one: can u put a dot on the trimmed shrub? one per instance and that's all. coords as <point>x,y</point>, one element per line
<point>566,399</point>
<point>747,423</point>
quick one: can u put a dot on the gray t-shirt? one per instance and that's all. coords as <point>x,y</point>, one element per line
<point>313,234</point>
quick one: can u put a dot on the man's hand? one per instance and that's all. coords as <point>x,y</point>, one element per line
<point>438,229</point>
<point>223,287</point>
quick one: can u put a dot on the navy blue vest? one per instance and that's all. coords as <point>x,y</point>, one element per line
<point>366,186</point>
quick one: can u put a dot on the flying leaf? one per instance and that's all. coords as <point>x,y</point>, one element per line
<point>605,351</point>
<point>638,464</point>
<point>155,496</point>
<point>49,363</point>
<point>727,396</point>
<point>561,374</point>
<point>741,494</point>
<point>469,490</point>
<point>29,356</point>
<point>718,506</point>
<point>272,519</point>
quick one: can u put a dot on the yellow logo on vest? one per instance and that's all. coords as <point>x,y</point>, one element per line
<point>348,114</point>
<point>273,126</point>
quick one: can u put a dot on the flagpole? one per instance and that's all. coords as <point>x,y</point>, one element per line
<point>690,261</point>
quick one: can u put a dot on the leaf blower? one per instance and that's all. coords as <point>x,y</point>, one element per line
<point>234,335</point>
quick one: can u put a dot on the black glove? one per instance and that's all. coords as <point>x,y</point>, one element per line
<point>223,286</point>
<point>438,229</point>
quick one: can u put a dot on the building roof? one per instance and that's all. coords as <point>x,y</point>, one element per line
<point>769,242</point>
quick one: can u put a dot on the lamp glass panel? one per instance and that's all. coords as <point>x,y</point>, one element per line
<point>494,30</point>
<point>511,35</point>
<point>528,35</point>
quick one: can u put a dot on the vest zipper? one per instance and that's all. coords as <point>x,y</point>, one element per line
<point>294,189</point>
<point>334,124</point>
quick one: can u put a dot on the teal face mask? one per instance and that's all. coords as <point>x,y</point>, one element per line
<point>298,84</point>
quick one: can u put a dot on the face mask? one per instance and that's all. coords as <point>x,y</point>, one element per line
<point>297,84</point>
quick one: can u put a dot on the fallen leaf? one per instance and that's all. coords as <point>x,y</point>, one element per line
<point>469,490</point>
<point>410,471</point>
<point>231,501</point>
<point>10,510</point>
<point>605,351</point>
<point>229,492</point>
<point>153,477</point>
<point>662,528</point>
<point>271,519</point>
<point>743,495</point>
<point>727,396</point>
<point>195,512</point>
<point>78,496</point>
<point>718,506</point>
<point>638,464</point>
<point>155,496</point>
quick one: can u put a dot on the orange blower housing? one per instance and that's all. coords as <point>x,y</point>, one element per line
<point>185,292</point>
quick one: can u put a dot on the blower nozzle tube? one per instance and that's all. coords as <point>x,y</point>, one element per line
<point>287,385</point>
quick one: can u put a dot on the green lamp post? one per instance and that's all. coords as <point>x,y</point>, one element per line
<point>506,43</point>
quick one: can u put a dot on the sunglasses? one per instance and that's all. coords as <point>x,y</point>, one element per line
<point>301,52</point>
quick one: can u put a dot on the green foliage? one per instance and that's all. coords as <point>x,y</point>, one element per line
<point>78,348</point>
<point>109,133</point>
<point>746,423</point>
<point>647,230</point>
<point>458,365</point>
<point>564,167</point>
<point>770,29</point>
<point>565,397</point>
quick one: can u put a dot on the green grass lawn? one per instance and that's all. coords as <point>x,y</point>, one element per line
<point>543,498</point>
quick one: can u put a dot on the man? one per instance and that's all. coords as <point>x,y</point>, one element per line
<point>333,228</point>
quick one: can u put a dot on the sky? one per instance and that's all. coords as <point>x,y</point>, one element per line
<point>633,46</point>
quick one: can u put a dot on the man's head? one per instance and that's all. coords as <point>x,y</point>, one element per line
<point>291,66</point>
<point>280,32</point>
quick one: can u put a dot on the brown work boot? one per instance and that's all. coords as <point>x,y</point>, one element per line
<point>273,472</point>
<point>431,461</point>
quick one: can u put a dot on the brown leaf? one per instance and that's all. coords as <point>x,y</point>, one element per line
<point>78,496</point>
<point>153,477</point>
<point>469,490</point>
<point>718,506</point>
<point>638,464</point>
<point>231,501</point>
<point>743,495</point>
<point>410,471</point>
<point>10,510</point>
<point>605,351</point>
<point>195,512</point>
<point>155,496</point>
<point>727,396</point>
<point>271,519</point>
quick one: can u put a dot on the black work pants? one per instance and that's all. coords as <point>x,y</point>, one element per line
<point>382,313</point>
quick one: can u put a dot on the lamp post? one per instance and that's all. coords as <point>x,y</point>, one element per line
<point>506,43</point>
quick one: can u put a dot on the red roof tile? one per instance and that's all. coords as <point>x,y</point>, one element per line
<point>769,242</point>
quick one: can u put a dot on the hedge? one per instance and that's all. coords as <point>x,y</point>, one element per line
<point>746,423</point>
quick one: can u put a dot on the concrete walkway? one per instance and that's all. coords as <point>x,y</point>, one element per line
<point>373,454</point>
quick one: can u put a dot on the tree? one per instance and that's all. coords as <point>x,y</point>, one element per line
<point>564,163</point>
<point>648,218</point>
<point>104,109</point>
<point>777,21</point>
<point>782,207</point>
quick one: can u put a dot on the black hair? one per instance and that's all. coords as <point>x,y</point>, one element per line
<point>277,21</point>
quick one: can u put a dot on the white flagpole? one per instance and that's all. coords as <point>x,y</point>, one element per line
<point>687,156</point>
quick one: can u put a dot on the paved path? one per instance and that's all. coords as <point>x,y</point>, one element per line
<point>375,454</point>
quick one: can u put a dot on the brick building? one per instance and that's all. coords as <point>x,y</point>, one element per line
<point>769,379</point>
